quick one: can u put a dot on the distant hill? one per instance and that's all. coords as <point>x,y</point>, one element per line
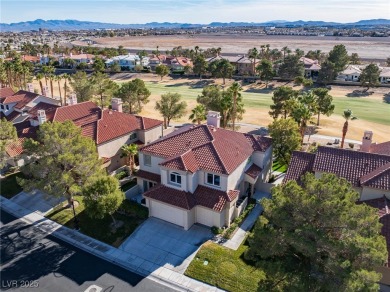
<point>85,25</point>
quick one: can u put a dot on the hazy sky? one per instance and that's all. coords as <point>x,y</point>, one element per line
<point>195,11</point>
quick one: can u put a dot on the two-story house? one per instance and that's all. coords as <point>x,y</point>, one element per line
<point>202,173</point>
<point>128,62</point>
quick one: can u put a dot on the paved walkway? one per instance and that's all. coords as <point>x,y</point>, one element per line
<point>117,256</point>
<point>241,233</point>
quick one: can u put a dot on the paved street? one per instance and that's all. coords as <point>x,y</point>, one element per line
<point>27,254</point>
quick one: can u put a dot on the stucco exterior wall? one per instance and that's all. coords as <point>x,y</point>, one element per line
<point>202,180</point>
<point>151,135</point>
<point>165,179</point>
<point>370,193</point>
<point>111,148</point>
<point>209,217</point>
<point>236,176</point>
<point>155,161</point>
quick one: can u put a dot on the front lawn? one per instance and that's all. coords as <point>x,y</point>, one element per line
<point>100,228</point>
<point>225,268</point>
<point>9,187</point>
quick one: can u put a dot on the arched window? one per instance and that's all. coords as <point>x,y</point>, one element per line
<point>175,178</point>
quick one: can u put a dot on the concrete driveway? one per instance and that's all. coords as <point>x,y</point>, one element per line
<point>36,201</point>
<point>161,243</point>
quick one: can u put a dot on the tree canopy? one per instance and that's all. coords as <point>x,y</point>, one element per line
<point>314,237</point>
<point>135,94</point>
<point>281,97</point>
<point>7,136</point>
<point>198,114</point>
<point>339,57</point>
<point>81,86</point>
<point>285,139</point>
<point>370,76</point>
<point>221,69</point>
<point>171,107</point>
<point>324,103</point>
<point>61,160</point>
<point>200,65</point>
<point>266,71</point>
<point>162,70</point>
<point>291,67</point>
<point>103,88</point>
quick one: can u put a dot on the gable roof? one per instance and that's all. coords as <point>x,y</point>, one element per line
<point>381,148</point>
<point>213,149</point>
<point>359,168</point>
<point>171,196</point>
<point>25,97</point>
<point>253,171</point>
<point>102,126</point>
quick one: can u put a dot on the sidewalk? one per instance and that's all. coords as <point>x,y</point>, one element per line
<point>241,233</point>
<point>119,257</point>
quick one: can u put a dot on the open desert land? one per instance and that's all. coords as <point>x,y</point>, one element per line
<point>370,48</point>
<point>372,113</point>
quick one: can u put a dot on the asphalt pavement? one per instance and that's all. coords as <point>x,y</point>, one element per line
<point>33,261</point>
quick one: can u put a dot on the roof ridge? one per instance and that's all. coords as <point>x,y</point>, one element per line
<point>218,155</point>
<point>381,169</point>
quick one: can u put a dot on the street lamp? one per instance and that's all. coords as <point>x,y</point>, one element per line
<point>75,220</point>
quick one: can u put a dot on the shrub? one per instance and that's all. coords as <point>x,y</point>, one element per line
<point>216,230</point>
<point>386,98</point>
<point>133,209</point>
<point>121,174</point>
<point>351,145</point>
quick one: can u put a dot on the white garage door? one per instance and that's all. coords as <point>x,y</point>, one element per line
<point>205,216</point>
<point>167,213</point>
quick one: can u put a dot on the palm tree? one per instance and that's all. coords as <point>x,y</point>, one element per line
<point>253,54</point>
<point>66,78</point>
<point>347,115</point>
<point>130,151</point>
<point>235,89</point>
<point>198,114</point>
<point>58,78</point>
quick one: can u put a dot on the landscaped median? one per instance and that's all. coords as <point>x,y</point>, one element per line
<point>130,213</point>
<point>224,268</point>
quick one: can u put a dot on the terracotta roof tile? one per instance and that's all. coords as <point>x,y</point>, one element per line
<point>75,112</point>
<point>5,92</point>
<point>378,178</point>
<point>26,98</point>
<point>171,196</point>
<point>13,99</point>
<point>381,148</point>
<point>11,116</point>
<point>300,163</point>
<point>351,165</point>
<point>15,148</point>
<point>148,175</point>
<point>215,149</point>
<point>185,162</point>
<point>212,198</point>
<point>253,171</point>
<point>49,109</point>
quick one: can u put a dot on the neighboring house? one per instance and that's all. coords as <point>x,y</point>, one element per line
<point>78,59</point>
<point>367,171</point>
<point>242,64</point>
<point>31,59</point>
<point>110,129</point>
<point>128,62</point>
<point>202,173</point>
<point>312,67</point>
<point>177,64</point>
<point>154,61</point>
<point>353,72</point>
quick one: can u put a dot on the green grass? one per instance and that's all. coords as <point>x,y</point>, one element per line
<point>9,187</point>
<point>276,166</point>
<point>226,268</point>
<point>365,109</point>
<point>99,228</point>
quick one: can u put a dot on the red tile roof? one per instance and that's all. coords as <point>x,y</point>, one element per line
<point>30,58</point>
<point>11,116</point>
<point>148,175</point>
<point>24,131</point>
<point>381,148</point>
<point>49,109</point>
<point>103,126</point>
<point>171,196</point>
<point>203,196</point>
<point>185,162</point>
<point>354,166</point>
<point>253,171</point>
<point>15,148</point>
<point>6,91</point>
<point>300,163</point>
<point>214,149</point>
<point>12,99</point>
<point>26,98</point>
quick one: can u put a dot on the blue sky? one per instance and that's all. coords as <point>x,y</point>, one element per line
<point>195,11</point>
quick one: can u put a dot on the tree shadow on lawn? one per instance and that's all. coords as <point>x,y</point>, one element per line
<point>359,93</point>
<point>386,98</point>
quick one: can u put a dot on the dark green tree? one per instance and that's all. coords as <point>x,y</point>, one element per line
<point>61,160</point>
<point>339,57</point>
<point>134,93</point>
<point>285,139</point>
<point>221,69</point>
<point>103,88</point>
<point>324,104</point>
<point>171,107</point>
<point>98,65</point>
<point>354,59</point>
<point>291,67</point>
<point>102,197</point>
<point>327,73</point>
<point>200,65</point>
<point>314,237</point>
<point>370,76</point>
<point>266,71</point>
<point>82,86</point>
<point>281,97</point>
<point>7,136</point>
<point>162,70</point>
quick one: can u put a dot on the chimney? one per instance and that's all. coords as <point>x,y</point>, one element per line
<point>72,100</point>
<point>45,90</point>
<point>30,87</point>
<point>70,55</point>
<point>213,119</point>
<point>366,141</point>
<point>116,104</point>
<point>41,117</point>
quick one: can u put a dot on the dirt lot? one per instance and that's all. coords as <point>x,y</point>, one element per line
<point>375,116</point>
<point>367,47</point>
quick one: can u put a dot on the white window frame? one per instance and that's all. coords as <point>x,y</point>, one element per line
<point>149,160</point>
<point>213,179</point>
<point>176,175</point>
